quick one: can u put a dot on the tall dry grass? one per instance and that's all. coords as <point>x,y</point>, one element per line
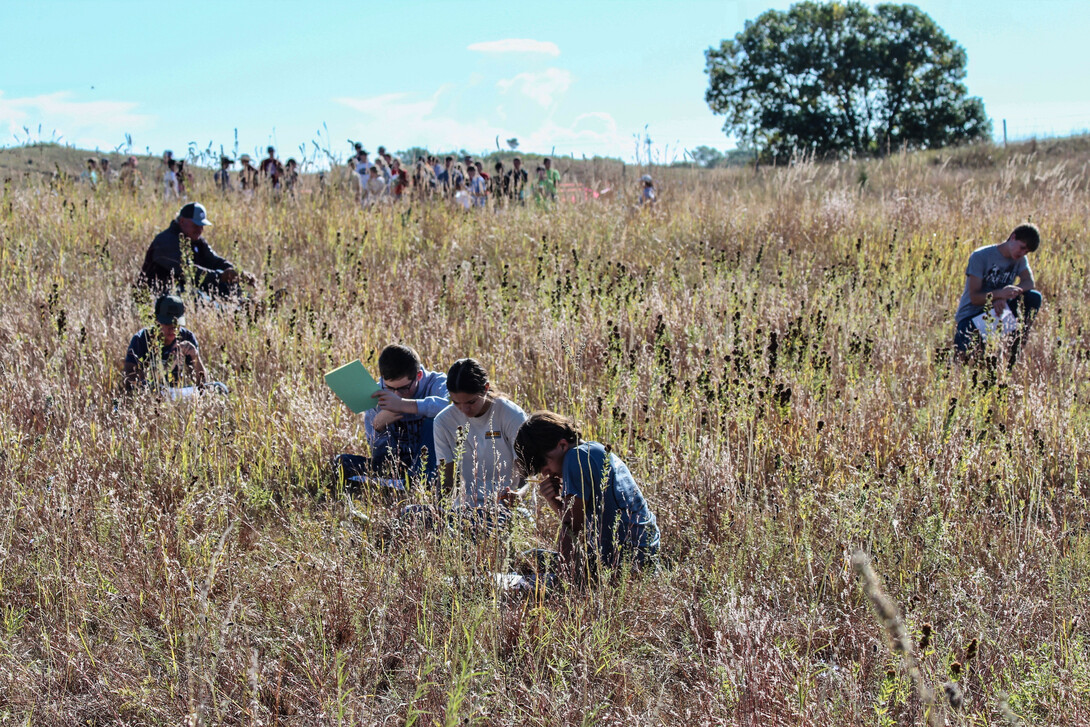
<point>768,352</point>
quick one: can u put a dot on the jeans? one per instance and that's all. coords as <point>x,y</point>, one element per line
<point>385,465</point>
<point>967,338</point>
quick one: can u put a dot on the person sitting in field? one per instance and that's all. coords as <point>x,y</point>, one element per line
<point>400,429</point>
<point>474,443</point>
<point>592,491</point>
<point>647,191</point>
<point>163,264</point>
<point>109,175</point>
<point>179,358</point>
<point>990,289</point>
<point>461,197</point>
<point>500,180</point>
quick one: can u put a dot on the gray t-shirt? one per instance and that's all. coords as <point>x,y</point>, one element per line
<point>483,448</point>
<point>995,270</point>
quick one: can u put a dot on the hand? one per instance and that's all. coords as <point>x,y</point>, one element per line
<point>185,350</point>
<point>249,279</point>
<point>549,488</point>
<point>1009,292</point>
<point>384,419</point>
<point>389,401</point>
<point>507,497</point>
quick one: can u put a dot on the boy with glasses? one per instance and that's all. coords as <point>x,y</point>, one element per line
<point>400,428</point>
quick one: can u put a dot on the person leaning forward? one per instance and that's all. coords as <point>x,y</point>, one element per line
<point>991,288</point>
<point>170,345</point>
<point>163,264</point>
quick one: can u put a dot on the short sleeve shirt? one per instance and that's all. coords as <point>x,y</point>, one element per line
<point>483,448</point>
<point>618,517</point>
<point>139,349</point>
<point>995,270</point>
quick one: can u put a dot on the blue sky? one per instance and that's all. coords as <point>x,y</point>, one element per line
<point>580,78</point>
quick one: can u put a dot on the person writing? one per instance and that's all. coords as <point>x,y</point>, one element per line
<point>999,281</point>
<point>179,355</point>
<point>400,429</point>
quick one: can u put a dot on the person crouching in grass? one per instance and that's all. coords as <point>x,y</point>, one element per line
<point>178,354</point>
<point>600,506</point>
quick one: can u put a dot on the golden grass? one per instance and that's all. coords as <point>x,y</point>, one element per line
<point>768,353</point>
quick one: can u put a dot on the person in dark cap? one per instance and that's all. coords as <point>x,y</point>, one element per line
<point>222,178</point>
<point>163,263</point>
<point>179,354</point>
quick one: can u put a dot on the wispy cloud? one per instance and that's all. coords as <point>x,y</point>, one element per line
<point>400,121</point>
<point>516,45</point>
<point>541,86</point>
<point>103,123</point>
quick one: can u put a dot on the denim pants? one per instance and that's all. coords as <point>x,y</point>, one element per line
<point>967,337</point>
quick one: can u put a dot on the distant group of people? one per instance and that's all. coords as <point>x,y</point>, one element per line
<point>465,182</point>
<point>386,179</point>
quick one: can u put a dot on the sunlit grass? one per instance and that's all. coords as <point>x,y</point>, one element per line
<point>768,352</point>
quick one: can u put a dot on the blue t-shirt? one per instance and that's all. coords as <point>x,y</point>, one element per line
<point>617,513</point>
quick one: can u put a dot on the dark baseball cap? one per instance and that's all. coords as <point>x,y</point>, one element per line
<point>170,310</point>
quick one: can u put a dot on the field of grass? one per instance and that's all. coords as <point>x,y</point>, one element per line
<point>769,353</point>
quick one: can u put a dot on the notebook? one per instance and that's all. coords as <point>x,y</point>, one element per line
<point>354,385</point>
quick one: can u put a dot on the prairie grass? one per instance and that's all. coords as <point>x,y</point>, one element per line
<point>769,352</point>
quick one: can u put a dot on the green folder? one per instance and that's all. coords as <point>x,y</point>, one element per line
<point>352,383</point>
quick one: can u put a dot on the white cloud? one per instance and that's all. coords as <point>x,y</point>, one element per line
<point>87,123</point>
<point>541,86</point>
<point>401,121</point>
<point>516,45</point>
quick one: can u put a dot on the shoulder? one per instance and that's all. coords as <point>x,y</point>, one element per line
<point>449,418</point>
<point>509,410</point>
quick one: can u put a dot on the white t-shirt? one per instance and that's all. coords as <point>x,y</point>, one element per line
<point>486,445</point>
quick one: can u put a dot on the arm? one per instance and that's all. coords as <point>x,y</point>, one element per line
<point>571,525</point>
<point>192,358</point>
<point>206,259</point>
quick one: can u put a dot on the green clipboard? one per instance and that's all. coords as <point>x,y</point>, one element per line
<point>354,385</point>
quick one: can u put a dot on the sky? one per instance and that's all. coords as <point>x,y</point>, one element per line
<point>563,78</point>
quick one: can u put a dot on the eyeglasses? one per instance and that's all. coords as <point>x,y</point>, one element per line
<point>399,390</point>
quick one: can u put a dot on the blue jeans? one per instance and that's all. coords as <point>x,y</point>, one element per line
<point>385,464</point>
<point>1024,307</point>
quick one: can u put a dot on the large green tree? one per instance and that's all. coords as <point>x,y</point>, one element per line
<point>828,78</point>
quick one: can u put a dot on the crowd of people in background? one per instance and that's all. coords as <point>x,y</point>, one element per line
<point>383,179</point>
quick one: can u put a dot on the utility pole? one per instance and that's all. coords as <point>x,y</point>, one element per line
<point>1004,133</point>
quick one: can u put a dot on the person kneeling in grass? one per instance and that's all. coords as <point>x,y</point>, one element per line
<point>591,489</point>
<point>990,289</point>
<point>179,353</point>
<point>475,445</point>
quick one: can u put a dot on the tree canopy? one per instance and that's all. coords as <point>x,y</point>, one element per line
<point>829,78</point>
